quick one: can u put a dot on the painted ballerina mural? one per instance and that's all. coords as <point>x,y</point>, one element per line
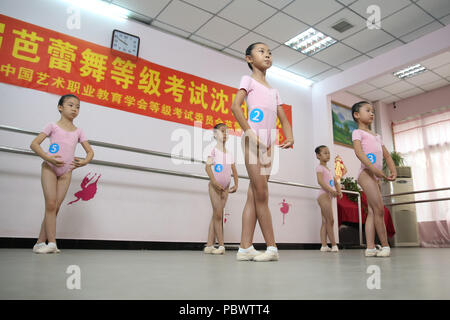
<point>88,190</point>
<point>284,209</point>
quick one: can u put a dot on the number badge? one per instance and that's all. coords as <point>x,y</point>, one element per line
<point>256,115</point>
<point>372,158</point>
<point>54,148</point>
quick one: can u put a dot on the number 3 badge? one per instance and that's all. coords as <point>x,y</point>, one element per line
<point>372,158</point>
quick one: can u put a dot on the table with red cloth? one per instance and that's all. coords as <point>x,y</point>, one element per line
<point>348,212</point>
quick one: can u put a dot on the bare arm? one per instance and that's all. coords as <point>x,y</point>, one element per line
<point>338,187</point>
<point>213,180</point>
<point>36,147</point>
<point>390,164</point>
<point>324,186</point>
<point>286,127</point>
<point>235,178</point>
<point>78,162</point>
<point>240,117</point>
<point>237,110</point>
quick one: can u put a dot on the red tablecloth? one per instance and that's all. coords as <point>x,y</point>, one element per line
<point>348,212</point>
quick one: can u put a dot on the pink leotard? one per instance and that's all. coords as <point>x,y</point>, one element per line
<point>221,166</point>
<point>327,178</point>
<point>262,105</point>
<point>372,147</point>
<point>63,143</point>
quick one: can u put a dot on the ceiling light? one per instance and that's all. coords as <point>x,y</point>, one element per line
<point>310,42</point>
<point>410,71</point>
<point>102,7</point>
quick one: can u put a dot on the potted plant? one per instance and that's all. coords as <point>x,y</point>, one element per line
<point>398,159</point>
<point>350,184</point>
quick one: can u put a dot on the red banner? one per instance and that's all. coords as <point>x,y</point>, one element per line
<point>46,60</point>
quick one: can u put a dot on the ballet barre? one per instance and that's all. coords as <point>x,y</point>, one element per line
<point>417,201</point>
<point>161,171</point>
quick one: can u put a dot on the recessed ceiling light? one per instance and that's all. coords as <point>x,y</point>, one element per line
<point>410,71</point>
<point>102,7</point>
<point>310,42</point>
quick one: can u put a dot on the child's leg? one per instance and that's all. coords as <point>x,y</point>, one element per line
<point>54,195</point>
<point>323,227</point>
<point>48,182</point>
<point>224,198</point>
<point>61,189</point>
<point>261,196</point>
<point>327,212</point>
<point>211,234</point>
<point>375,201</point>
<point>370,229</point>
<point>248,220</point>
<point>216,203</point>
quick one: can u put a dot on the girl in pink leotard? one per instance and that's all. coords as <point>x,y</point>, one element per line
<point>57,167</point>
<point>264,106</point>
<point>327,182</point>
<point>219,166</point>
<point>369,149</point>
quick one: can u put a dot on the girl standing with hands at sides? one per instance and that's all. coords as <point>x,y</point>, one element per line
<point>370,151</point>
<point>219,166</point>
<point>327,182</point>
<point>58,165</point>
<point>264,105</point>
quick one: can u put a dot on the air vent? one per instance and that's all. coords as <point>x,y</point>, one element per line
<point>342,26</point>
<point>403,172</point>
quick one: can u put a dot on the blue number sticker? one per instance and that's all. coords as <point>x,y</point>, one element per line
<point>256,115</point>
<point>218,168</point>
<point>54,148</point>
<point>332,182</point>
<point>372,158</point>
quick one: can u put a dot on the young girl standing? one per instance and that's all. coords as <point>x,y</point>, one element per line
<point>58,165</point>
<point>264,105</point>
<point>327,182</point>
<point>370,151</point>
<point>219,166</point>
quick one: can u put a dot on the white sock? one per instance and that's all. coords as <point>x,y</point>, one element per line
<point>40,244</point>
<point>222,247</point>
<point>273,249</point>
<point>52,244</point>
<point>373,249</point>
<point>242,250</point>
<point>387,248</point>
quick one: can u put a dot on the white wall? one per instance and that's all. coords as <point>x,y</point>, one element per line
<point>132,205</point>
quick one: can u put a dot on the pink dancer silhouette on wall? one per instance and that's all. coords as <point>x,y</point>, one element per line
<point>284,208</point>
<point>87,192</point>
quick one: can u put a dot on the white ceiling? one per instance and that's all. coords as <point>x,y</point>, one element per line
<point>388,88</point>
<point>231,25</point>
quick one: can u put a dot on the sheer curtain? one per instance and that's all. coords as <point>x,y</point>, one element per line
<point>425,144</point>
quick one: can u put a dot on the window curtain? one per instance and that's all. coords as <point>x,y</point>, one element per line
<point>424,142</point>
